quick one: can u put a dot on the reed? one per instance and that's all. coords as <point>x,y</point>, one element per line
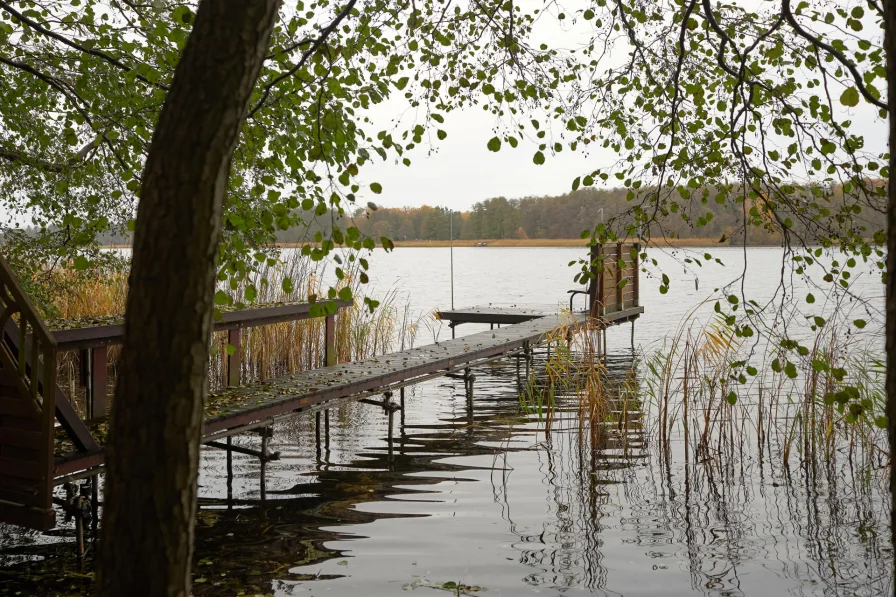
<point>267,351</point>
<point>828,401</point>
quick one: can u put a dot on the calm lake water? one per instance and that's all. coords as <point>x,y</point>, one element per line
<point>483,501</point>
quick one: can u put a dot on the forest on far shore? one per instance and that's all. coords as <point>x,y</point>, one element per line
<point>555,217</point>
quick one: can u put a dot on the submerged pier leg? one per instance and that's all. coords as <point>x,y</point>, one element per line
<point>633,334</point>
<point>229,473</point>
<point>95,506</point>
<point>317,433</point>
<point>401,395</point>
<point>389,439</point>
<point>266,433</point>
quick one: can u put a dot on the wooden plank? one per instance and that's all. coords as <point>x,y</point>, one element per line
<point>32,518</point>
<point>90,336</point>
<point>302,390</point>
<point>24,423</point>
<point>18,407</point>
<point>29,455</point>
<point>18,468</point>
<point>12,436</point>
<point>21,491</point>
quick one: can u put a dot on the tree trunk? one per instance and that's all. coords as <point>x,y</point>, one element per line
<point>890,50</point>
<point>153,455</point>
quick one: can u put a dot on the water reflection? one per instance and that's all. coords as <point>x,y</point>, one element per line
<point>485,497</point>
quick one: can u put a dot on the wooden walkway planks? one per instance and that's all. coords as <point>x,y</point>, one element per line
<point>244,406</point>
<point>513,314</point>
<point>236,409</point>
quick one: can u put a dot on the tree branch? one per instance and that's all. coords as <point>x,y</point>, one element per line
<point>305,55</point>
<point>14,155</point>
<point>857,77</point>
<point>52,34</point>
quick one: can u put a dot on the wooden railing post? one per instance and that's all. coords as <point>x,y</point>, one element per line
<point>234,360</point>
<point>620,270</point>
<point>636,269</point>
<point>99,377</point>
<point>330,340</point>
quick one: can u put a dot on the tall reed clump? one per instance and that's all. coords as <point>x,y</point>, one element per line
<point>578,388</point>
<point>810,404</point>
<point>267,351</point>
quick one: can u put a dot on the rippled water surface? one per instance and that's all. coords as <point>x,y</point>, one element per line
<point>477,498</point>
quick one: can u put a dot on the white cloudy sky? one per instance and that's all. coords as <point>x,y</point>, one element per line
<point>461,170</point>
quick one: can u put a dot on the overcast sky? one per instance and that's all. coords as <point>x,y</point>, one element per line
<point>461,170</point>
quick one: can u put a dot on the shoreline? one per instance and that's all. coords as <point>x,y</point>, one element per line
<point>698,242</point>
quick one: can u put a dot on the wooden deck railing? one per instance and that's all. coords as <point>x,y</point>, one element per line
<point>615,281</point>
<point>27,408</point>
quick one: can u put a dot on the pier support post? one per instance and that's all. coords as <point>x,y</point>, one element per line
<point>633,335</point>
<point>233,360</point>
<point>95,506</point>
<point>330,341</point>
<point>317,433</point>
<point>94,378</point>
<point>327,432</point>
<point>390,441</point>
<point>229,473</point>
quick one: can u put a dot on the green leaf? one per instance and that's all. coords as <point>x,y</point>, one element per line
<point>859,323</point>
<point>790,370</point>
<point>538,158</point>
<point>81,263</point>
<point>494,144</point>
<point>222,298</point>
<point>441,134</point>
<point>251,293</point>
<point>345,294</point>
<point>850,97</point>
<point>286,285</point>
<point>376,187</point>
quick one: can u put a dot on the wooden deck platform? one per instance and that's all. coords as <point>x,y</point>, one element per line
<point>240,409</point>
<point>494,314</point>
<point>44,442</point>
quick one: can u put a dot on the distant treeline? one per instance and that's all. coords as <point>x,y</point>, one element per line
<point>566,216</point>
<point>557,217</point>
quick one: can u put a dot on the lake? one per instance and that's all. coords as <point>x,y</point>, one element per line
<point>484,501</point>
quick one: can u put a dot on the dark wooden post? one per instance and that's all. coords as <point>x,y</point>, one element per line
<point>330,341</point>
<point>597,284</point>
<point>94,378</point>
<point>619,272</point>
<point>234,360</point>
<point>99,380</point>
<point>636,269</point>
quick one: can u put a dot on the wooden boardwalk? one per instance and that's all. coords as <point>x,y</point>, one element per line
<point>45,442</point>
<point>240,409</point>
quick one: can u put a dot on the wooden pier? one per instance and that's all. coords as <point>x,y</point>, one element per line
<point>44,442</point>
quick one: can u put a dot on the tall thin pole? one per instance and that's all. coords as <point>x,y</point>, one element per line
<point>451,243</point>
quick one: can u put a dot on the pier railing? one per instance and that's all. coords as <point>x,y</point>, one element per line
<point>615,282</point>
<point>27,408</point>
